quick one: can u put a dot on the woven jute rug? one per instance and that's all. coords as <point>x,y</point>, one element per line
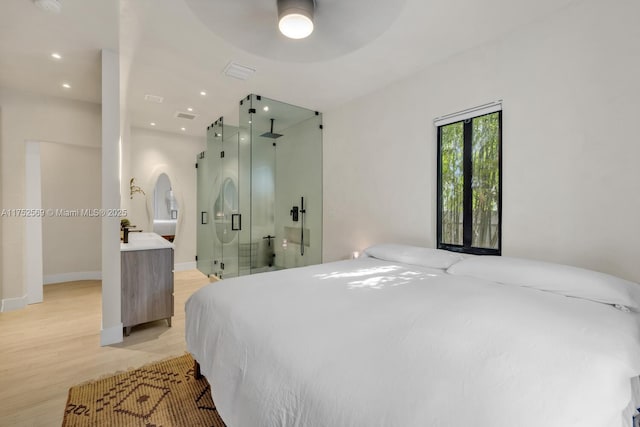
<point>162,394</point>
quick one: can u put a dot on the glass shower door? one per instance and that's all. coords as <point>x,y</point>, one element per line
<point>263,186</point>
<point>231,200</point>
<point>204,259</point>
<point>216,220</point>
<point>299,185</point>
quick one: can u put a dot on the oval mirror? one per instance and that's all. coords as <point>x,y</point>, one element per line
<point>165,209</point>
<point>226,204</point>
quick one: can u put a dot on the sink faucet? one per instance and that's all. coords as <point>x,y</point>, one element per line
<point>125,237</point>
<point>126,231</point>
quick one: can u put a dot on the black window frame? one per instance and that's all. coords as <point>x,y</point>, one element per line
<point>467,203</point>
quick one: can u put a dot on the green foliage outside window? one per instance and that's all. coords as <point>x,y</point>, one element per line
<point>483,182</point>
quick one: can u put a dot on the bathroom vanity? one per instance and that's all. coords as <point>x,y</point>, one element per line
<point>146,279</point>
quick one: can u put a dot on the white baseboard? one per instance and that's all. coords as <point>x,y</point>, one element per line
<point>97,275</point>
<point>10,304</point>
<point>112,335</point>
<point>185,266</point>
<point>72,277</point>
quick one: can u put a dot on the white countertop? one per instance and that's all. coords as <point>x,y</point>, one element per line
<point>145,241</point>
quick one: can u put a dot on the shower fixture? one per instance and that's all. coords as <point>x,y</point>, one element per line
<point>297,214</point>
<point>271,134</point>
<point>302,212</point>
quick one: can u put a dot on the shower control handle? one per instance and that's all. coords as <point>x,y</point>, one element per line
<point>294,213</point>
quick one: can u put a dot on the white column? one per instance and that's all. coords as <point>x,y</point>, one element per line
<point>111,320</point>
<point>33,274</point>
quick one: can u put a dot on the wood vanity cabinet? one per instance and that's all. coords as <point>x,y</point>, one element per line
<point>147,286</point>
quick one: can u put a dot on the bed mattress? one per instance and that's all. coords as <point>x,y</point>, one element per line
<point>378,343</point>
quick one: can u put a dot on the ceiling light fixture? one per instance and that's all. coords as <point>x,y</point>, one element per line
<point>152,123</point>
<point>66,85</point>
<point>189,109</point>
<point>203,93</point>
<point>56,55</point>
<point>295,18</point>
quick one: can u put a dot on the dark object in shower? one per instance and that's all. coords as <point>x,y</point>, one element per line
<point>270,254</point>
<point>271,134</point>
<point>269,238</point>
<point>294,213</point>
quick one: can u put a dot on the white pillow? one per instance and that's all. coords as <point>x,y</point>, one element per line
<point>414,255</point>
<point>556,278</point>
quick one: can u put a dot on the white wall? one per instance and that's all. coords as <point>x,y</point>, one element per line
<point>70,180</point>
<point>150,154</point>
<point>37,118</point>
<point>571,181</point>
<point>1,206</point>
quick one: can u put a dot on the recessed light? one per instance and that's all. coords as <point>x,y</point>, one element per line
<point>152,123</point>
<point>56,55</point>
<point>266,108</point>
<point>189,109</point>
<point>183,129</point>
<point>66,85</point>
<point>203,93</point>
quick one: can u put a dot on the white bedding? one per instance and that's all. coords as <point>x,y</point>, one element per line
<point>379,343</point>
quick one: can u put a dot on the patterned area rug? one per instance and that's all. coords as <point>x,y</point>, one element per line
<point>162,394</point>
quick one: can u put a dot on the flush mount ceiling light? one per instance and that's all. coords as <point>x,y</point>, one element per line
<point>295,18</point>
<point>340,26</point>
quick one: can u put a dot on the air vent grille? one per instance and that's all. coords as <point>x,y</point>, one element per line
<point>53,6</point>
<point>183,115</point>
<point>237,71</point>
<point>154,98</point>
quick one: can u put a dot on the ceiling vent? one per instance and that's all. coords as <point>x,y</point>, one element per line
<point>237,71</point>
<point>53,6</point>
<point>154,98</point>
<point>187,116</point>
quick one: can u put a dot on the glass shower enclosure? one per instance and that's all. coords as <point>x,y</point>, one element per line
<point>260,190</point>
<point>218,203</point>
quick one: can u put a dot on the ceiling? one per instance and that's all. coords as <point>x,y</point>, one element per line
<point>177,48</point>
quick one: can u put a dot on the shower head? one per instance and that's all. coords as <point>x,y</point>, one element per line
<point>271,134</point>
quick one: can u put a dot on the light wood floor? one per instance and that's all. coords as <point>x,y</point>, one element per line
<point>47,348</point>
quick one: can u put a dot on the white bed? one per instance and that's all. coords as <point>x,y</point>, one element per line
<point>395,340</point>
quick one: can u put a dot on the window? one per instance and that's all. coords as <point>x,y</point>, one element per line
<point>470,181</point>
